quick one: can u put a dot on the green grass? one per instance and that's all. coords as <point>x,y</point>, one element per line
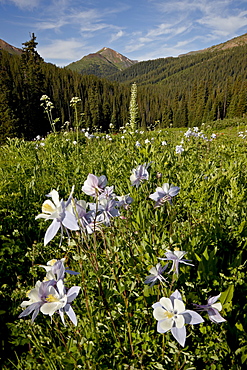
<point>116,328</point>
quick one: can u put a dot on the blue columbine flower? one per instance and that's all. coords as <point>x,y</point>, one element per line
<point>55,270</point>
<point>58,211</point>
<point>94,185</point>
<point>156,274</point>
<point>212,308</point>
<point>172,315</point>
<point>139,174</point>
<point>106,209</point>
<point>48,297</point>
<point>176,257</point>
<point>164,194</point>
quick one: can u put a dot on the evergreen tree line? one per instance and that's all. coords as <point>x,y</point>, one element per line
<point>181,92</point>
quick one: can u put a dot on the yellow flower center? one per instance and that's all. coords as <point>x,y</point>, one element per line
<point>52,262</point>
<point>51,298</point>
<point>47,208</point>
<point>169,315</point>
<point>176,249</point>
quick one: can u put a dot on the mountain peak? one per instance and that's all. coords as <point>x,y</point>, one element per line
<point>119,60</point>
<point>103,63</point>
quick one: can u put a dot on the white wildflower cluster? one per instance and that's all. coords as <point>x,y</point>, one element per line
<point>74,101</point>
<point>108,137</point>
<point>88,135</point>
<point>46,103</point>
<point>242,134</point>
<point>133,109</point>
<point>199,134</point>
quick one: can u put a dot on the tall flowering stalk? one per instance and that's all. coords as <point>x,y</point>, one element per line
<point>74,104</point>
<point>48,107</point>
<point>133,109</point>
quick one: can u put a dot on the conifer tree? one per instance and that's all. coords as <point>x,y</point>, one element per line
<point>33,121</point>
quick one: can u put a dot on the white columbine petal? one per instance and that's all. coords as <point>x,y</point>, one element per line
<point>159,313</point>
<point>55,197</point>
<point>179,321</point>
<point>51,307</point>
<point>217,306</point>
<point>179,334</point>
<point>51,231</point>
<point>165,188</point>
<point>164,325</point>
<point>48,207</point>
<point>166,303</point>
<point>178,306</point>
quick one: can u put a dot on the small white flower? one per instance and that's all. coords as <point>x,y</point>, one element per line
<point>179,149</point>
<point>188,133</point>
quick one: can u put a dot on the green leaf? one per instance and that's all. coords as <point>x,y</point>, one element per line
<point>226,297</point>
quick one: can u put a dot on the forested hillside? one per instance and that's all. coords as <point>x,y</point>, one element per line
<point>23,80</point>
<point>181,91</point>
<point>194,88</point>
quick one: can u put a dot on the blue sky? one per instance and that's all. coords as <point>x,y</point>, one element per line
<point>67,30</point>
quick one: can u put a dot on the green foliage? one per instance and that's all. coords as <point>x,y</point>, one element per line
<point>116,328</point>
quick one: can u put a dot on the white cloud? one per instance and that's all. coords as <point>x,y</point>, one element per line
<point>116,36</point>
<point>191,6</point>
<point>63,50</point>
<point>133,46</point>
<point>24,3</point>
<point>50,25</point>
<point>224,26</point>
<point>84,22</point>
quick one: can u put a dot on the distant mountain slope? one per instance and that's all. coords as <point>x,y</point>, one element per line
<point>219,57</point>
<point>9,48</point>
<point>103,63</point>
<point>236,41</point>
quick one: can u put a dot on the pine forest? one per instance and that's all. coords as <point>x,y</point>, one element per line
<point>179,92</point>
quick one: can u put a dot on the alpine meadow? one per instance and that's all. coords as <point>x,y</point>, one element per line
<point>123,212</point>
